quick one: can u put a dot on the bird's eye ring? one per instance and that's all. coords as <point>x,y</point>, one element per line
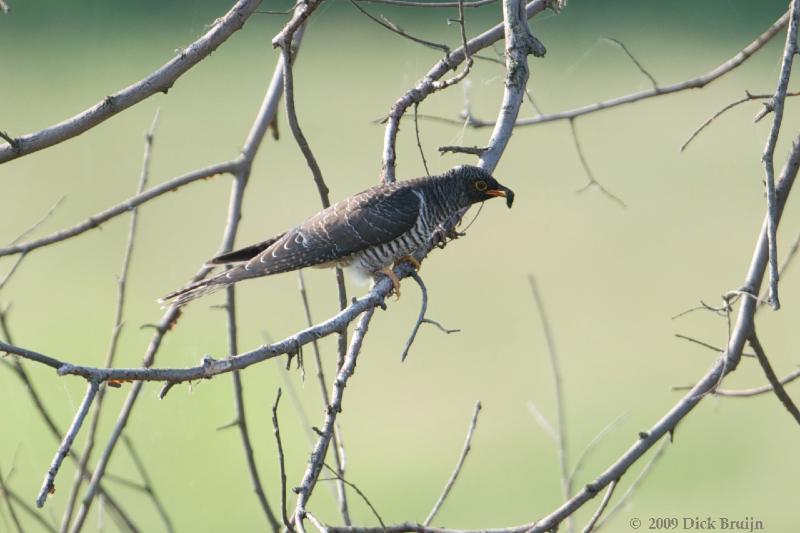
<point>481,185</point>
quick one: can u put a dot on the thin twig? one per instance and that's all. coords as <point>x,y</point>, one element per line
<point>281,461</point>
<point>419,143</point>
<point>540,419</point>
<point>602,507</point>
<point>30,511</point>
<point>561,424</point>
<point>359,492</point>
<point>777,386</point>
<point>591,447</point>
<point>121,208</point>
<point>49,486</point>
<point>635,485</point>
<point>147,485</point>
<point>422,311</point>
<point>33,227</point>
<point>241,416</point>
<point>636,62</point>
<point>6,495</point>
<point>410,3</point>
<point>707,345</point>
<point>394,28</point>
<point>459,465</point>
<point>777,104</point>
<point>747,393</point>
<point>593,183</point>
<point>747,98</point>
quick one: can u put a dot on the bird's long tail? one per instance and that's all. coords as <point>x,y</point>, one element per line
<point>205,286</point>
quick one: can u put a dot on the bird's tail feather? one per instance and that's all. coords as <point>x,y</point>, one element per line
<point>205,286</point>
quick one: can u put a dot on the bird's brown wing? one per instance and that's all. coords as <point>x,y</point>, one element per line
<point>373,217</point>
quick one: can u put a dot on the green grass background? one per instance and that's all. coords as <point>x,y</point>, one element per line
<point>611,278</point>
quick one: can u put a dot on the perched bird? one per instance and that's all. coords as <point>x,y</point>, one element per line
<point>366,233</point>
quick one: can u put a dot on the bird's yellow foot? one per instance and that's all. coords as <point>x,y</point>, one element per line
<point>389,273</point>
<point>410,259</point>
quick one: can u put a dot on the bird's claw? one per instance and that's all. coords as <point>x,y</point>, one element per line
<point>411,260</point>
<point>389,273</point>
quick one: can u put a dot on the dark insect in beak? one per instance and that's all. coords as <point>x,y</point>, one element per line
<point>505,192</point>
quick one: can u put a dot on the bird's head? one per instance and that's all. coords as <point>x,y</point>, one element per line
<point>480,186</point>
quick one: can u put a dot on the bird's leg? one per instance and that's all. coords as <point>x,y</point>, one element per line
<point>389,273</point>
<point>410,259</point>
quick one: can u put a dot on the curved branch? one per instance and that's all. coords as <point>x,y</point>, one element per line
<point>694,83</point>
<point>159,81</point>
<point>120,209</point>
<point>430,83</point>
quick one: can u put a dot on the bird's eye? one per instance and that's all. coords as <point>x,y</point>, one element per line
<point>481,185</point>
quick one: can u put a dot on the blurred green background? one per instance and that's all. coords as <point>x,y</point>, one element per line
<point>611,278</point>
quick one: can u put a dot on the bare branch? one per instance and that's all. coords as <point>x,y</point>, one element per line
<point>545,424</point>
<point>474,150</point>
<point>641,68</point>
<point>326,434</point>
<point>394,28</point>
<point>48,486</point>
<point>428,85</point>
<point>755,391</point>
<point>592,445</point>
<point>241,416</point>
<point>693,83</point>
<point>561,424</point>
<point>709,346</point>
<point>789,51</point>
<point>410,3</point>
<point>602,507</point>
<point>459,465</point>
<point>119,514</point>
<point>30,511</point>
<point>747,98</point>
<point>341,493</point>
<point>419,144</point>
<point>123,207</point>
<point>6,494</point>
<point>777,386</point>
<point>519,43</point>
<point>33,227</point>
<point>359,492</point>
<point>593,183</point>
<point>277,431</point>
<point>115,330</point>
<point>159,81</point>
<point>636,483</point>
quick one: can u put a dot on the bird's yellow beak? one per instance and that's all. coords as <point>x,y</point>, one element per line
<point>505,192</point>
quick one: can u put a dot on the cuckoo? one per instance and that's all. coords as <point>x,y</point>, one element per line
<point>365,233</point>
